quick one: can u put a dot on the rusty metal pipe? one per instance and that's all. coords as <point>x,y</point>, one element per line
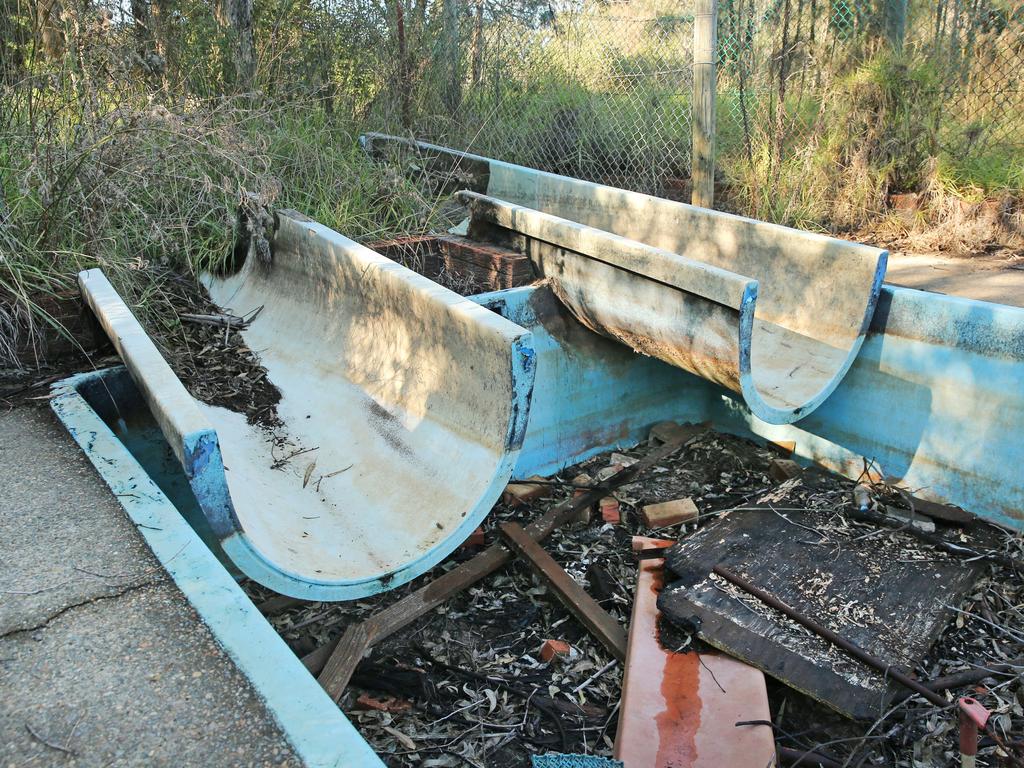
<point>838,640</point>
<point>972,716</point>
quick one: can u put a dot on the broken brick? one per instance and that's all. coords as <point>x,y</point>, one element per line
<point>581,479</point>
<point>784,448</point>
<point>670,513</point>
<point>609,508</point>
<point>476,539</point>
<point>623,459</point>
<point>584,515</point>
<point>784,469</point>
<point>608,472</point>
<point>516,494</point>
<point>553,648</point>
<point>388,704</point>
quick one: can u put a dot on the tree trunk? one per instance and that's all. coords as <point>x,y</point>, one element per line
<point>478,43</point>
<point>51,29</point>
<point>780,107</point>
<point>404,70</point>
<point>452,90</point>
<point>895,23</point>
<point>235,19</point>
<point>143,26</point>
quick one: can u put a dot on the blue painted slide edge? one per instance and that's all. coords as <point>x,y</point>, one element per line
<point>317,730</point>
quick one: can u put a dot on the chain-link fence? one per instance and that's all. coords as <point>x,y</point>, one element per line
<point>598,92</point>
<point>967,57</point>
<point>603,90</point>
<point>981,45</point>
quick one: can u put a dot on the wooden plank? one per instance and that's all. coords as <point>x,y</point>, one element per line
<point>886,593</point>
<point>702,162</point>
<point>681,709</point>
<point>581,605</point>
<point>339,661</point>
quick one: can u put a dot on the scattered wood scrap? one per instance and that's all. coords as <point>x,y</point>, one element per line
<point>572,595</point>
<point>340,661</point>
<point>471,666</point>
<point>222,319</point>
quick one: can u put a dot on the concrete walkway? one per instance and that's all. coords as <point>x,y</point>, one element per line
<point>985,278</point>
<point>102,660</point>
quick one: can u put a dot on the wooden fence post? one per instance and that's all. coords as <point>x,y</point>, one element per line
<point>702,159</point>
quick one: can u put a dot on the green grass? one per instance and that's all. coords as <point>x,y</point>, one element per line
<point>975,177</point>
<point>145,193</point>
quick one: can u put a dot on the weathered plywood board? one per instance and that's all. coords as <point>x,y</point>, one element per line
<point>886,592</point>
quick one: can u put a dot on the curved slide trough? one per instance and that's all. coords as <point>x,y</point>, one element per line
<point>771,313</point>
<point>403,408</point>
<point>774,314</point>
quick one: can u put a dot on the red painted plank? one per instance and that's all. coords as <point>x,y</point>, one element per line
<point>679,709</point>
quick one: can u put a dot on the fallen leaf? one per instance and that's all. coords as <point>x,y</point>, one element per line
<point>405,741</point>
<point>309,472</point>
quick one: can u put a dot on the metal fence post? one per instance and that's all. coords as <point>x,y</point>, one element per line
<point>702,161</point>
<point>896,23</point>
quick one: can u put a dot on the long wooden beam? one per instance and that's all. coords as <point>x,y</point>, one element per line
<point>581,605</point>
<point>339,661</point>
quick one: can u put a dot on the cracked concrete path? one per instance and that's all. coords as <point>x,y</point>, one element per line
<point>102,660</point>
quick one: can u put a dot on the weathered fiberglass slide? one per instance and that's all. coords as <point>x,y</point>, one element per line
<point>774,314</point>
<point>402,413</point>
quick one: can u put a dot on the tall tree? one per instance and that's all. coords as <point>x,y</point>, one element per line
<point>51,29</point>
<point>451,94</point>
<point>477,54</point>
<point>235,19</point>
<point>404,67</point>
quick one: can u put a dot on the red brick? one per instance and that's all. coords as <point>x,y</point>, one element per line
<point>388,704</point>
<point>553,648</point>
<point>609,507</point>
<point>670,513</point>
<point>476,539</point>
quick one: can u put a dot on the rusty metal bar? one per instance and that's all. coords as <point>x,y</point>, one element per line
<point>581,605</point>
<point>972,717</point>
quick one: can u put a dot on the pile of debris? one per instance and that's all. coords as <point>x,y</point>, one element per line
<point>489,670</point>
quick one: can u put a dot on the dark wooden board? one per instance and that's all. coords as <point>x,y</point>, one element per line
<point>887,592</point>
<point>489,266</point>
<point>576,600</point>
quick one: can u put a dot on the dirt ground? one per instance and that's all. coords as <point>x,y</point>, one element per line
<point>465,685</point>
